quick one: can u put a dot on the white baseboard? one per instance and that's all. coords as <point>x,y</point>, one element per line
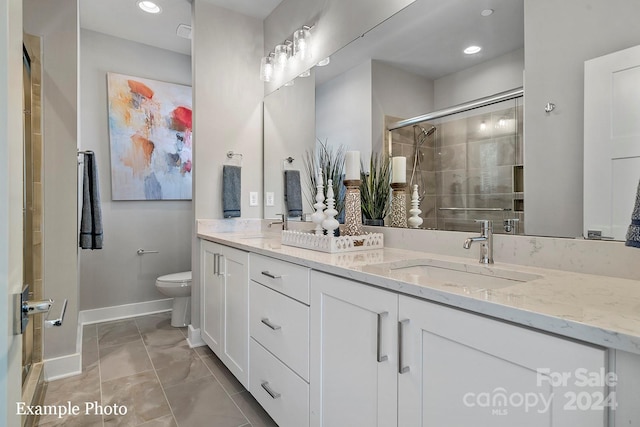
<point>194,339</point>
<point>62,367</point>
<point>105,314</point>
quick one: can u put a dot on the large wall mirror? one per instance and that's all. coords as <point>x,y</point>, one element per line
<point>409,65</point>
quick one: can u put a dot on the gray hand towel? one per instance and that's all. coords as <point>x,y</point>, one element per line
<point>91,221</point>
<point>633,234</point>
<point>231,199</point>
<point>293,193</point>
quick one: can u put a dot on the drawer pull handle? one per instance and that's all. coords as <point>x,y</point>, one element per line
<point>401,369</point>
<point>271,276</point>
<point>273,394</point>
<point>267,322</point>
<point>381,357</point>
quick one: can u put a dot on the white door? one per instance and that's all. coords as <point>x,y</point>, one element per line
<point>460,369</point>
<point>235,327</point>
<point>11,193</point>
<point>353,348</point>
<point>611,141</point>
<point>212,295</point>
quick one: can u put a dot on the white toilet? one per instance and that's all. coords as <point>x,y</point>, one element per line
<point>177,286</point>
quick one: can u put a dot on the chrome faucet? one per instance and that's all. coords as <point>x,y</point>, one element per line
<point>486,238</point>
<point>285,225</point>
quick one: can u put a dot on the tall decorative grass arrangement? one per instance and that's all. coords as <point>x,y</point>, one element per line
<point>331,161</point>
<point>375,187</point>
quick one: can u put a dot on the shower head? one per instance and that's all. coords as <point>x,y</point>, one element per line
<point>429,132</point>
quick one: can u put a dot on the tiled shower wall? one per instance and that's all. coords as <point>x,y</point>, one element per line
<point>470,166</point>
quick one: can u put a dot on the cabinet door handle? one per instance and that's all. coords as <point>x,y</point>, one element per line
<point>401,369</point>
<point>381,357</point>
<point>216,264</point>
<point>271,276</point>
<point>267,322</point>
<point>272,393</point>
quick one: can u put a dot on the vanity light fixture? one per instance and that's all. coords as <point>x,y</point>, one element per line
<point>300,49</point>
<point>324,62</point>
<point>149,6</point>
<point>266,68</point>
<point>472,50</point>
<point>302,43</point>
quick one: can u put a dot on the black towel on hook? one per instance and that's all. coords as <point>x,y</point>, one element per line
<point>293,193</point>
<point>231,189</point>
<point>91,236</point>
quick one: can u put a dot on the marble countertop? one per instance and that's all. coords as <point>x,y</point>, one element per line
<point>601,310</point>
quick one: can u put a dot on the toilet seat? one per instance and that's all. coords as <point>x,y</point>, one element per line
<point>175,279</point>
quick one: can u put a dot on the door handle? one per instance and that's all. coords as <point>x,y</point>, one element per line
<point>401,369</point>
<point>272,393</point>
<point>273,327</point>
<point>58,321</point>
<point>271,276</point>
<point>380,357</point>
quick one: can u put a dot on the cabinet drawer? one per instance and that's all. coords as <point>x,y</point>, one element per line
<point>290,279</point>
<point>283,394</point>
<point>281,325</point>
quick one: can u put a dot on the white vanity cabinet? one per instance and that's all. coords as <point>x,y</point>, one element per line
<point>353,354</point>
<point>279,345</point>
<point>460,369</point>
<point>383,359</point>
<point>225,304</point>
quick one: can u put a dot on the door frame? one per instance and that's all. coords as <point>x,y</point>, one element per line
<point>11,191</point>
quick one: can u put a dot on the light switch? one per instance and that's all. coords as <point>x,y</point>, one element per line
<point>253,198</point>
<point>270,198</point>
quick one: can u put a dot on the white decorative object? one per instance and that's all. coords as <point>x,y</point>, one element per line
<point>352,165</point>
<point>330,223</point>
<point>332,244</point>
<point>414,220</point>
<point>399,170</point>
<point>318,216</point>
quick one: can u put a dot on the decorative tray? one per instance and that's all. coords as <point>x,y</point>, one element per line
<point>331,244</point>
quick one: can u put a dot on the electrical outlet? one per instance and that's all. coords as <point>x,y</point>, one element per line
<point>253,198</point>
<point>270,198</point>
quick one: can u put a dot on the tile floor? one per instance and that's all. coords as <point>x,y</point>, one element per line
<point>147,366</point>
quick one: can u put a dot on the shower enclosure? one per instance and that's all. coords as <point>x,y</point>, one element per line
<point>467,163</point>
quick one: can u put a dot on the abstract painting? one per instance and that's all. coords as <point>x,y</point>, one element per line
<point>150,138</point>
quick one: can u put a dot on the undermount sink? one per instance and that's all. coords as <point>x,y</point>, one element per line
<point>473,277</point>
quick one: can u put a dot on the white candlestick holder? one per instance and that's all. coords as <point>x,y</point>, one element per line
<point>330,223</point>
<point>318,216</point>
<point>414,220</point>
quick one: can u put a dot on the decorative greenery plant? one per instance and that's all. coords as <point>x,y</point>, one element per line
<point>331,161</point>
<point>375,187</point>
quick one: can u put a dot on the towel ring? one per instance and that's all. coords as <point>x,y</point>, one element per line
<point>231,154</point>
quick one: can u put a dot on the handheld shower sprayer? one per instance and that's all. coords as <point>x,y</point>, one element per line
<point>418,139</point>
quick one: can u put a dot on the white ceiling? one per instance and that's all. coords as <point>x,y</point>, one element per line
<point>426,38</point>
<point>123,18</point>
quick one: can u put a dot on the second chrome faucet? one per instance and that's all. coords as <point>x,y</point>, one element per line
<point>486,240</point>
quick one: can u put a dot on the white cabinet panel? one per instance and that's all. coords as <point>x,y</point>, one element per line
<point>465,369</point>
<point>353,354</point>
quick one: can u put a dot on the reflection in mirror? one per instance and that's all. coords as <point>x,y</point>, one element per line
<point>467,165</point>
<point>407,66</point>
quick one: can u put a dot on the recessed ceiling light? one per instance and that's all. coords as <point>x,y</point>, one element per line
<point>149,6</point>
<point>472,49</point>
<point>487,12</point>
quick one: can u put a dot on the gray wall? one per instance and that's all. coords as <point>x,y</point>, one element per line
<point>559,37</point>
<point>56,21</point>
<point>485,79</point>
<point>116,275</point>
<point>227,113</point>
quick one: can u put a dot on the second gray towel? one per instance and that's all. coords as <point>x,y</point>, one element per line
<point>293,193</point>
<point>231,190</point>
